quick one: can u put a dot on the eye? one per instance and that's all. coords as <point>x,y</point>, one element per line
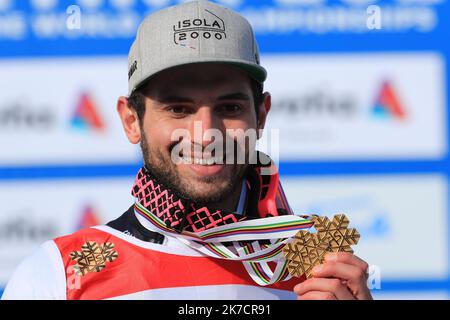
<point>179,110</point>
<point>230,109</point>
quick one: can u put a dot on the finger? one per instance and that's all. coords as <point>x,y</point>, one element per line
<point>348,258</point>
<point>317,295</point>
<point>338,270</point>
<point>355,277</point>
<point>335,286</point>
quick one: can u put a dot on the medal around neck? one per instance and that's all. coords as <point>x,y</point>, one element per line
<point>256,239</point>
<point>308,249</point>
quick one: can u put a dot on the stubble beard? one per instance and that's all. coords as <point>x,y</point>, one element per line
<point>165,171</point>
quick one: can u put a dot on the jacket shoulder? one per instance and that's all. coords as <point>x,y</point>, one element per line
<point>39,276</point>
<point>79,237</point>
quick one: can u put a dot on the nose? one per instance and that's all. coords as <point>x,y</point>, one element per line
<point>204,125</point>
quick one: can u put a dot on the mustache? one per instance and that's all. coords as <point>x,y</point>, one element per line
<point>230,153</point>
<point>227,147</point>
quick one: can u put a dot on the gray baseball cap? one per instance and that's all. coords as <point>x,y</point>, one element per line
<point>192,32</point>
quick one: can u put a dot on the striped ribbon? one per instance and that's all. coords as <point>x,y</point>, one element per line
<point>244,236</point>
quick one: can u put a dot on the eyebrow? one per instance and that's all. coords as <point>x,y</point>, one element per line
<point>234,96</point>
<point>173,98</point>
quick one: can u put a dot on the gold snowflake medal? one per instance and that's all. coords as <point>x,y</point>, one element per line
<point>308,249</point>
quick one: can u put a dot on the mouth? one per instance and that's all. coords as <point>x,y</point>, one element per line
<point>202,161</point>
<point>203,165</point>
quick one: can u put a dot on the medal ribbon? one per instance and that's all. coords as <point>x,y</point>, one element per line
<point>217,233</point>
<point>254,256</point>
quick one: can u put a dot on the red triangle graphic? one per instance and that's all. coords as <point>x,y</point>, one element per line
<point>389,100</point>
<point>88,112</point>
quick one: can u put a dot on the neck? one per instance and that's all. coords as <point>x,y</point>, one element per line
<point>231,202</point>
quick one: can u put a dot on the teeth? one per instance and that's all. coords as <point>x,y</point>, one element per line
<point>202,162</point>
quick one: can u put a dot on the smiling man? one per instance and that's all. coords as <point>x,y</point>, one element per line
<point>194,74</point>
<point>197,98</point>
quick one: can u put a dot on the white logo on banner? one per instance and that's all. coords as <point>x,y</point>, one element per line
<point>157,3</point>
<point>355,2</point>
<point>360,106</point>
<point>163,3</point>
<point>90,4</point>
<point>321,17</point>
<point>421,2</point>
<point>44,4</point>
<point>300,2</point>
<point>360,2</point>
<point>123,4</point>
<point>231,3</point>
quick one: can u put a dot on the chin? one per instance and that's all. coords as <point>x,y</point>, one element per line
<point>204,191</point>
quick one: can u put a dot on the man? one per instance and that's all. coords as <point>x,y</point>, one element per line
<point>193,67</point>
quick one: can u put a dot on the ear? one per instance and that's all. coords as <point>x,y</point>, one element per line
<point>130,120</point>
<point>263,110</point>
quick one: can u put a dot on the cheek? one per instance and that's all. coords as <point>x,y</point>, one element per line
<point>244,133</point>
<point>246,122</point>
<point>159,134</point>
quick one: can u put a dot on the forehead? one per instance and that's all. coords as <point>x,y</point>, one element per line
<point>207,77</point>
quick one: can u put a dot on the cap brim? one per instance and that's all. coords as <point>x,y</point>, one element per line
<point>255,71</point>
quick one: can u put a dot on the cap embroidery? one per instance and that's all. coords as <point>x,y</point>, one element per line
<point>212,27</point>
<point>132,69</point>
